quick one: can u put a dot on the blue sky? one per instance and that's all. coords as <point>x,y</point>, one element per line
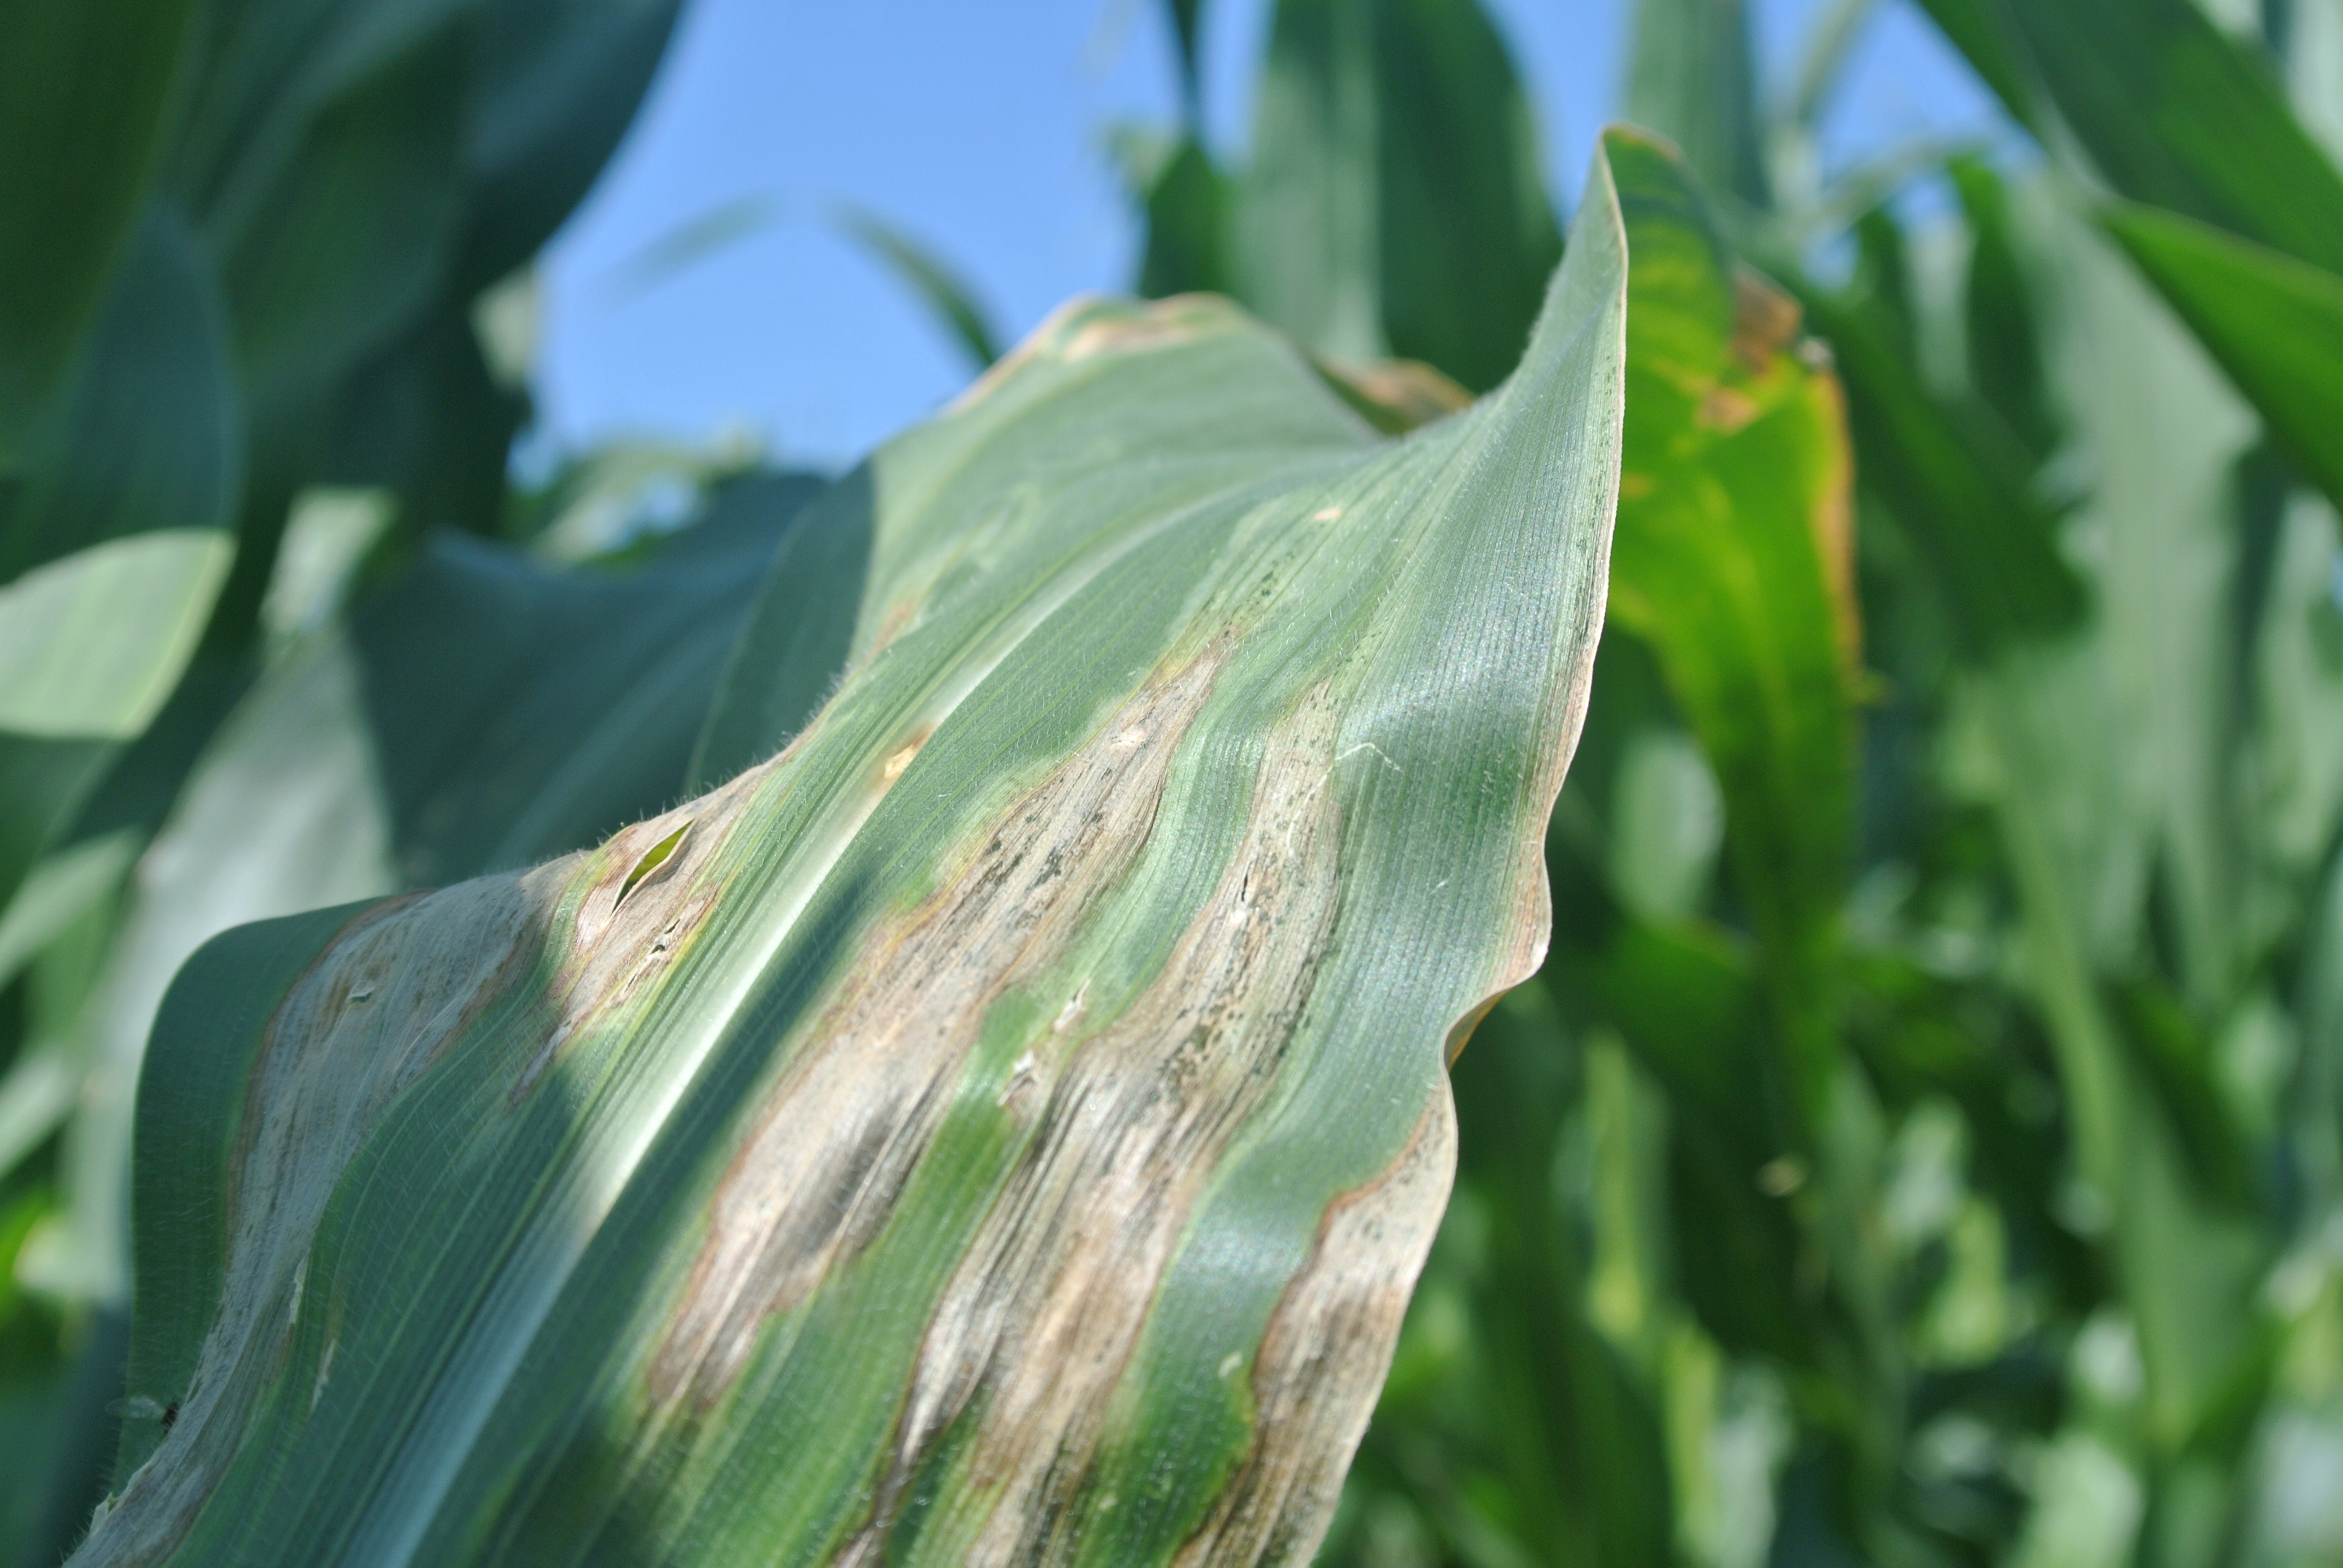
<point>979,128</point>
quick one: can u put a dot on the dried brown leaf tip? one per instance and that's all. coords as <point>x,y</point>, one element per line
<point>1766,320</point>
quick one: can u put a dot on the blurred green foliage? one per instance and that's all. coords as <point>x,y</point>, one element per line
<point>1921,1145</point>
<point>1925,1142</point>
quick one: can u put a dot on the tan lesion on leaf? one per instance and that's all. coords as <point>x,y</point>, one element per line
<point>1726,409</point>
<point>1090,324</point>
<point>1832,516</point>
<point>1047,1305</point>
<point>1153,324</point>
<point>1324,1359</point>
<point>1765,321</point>
<point>1394,396</point>
<point>831,1148</point>
<point>404,985</point>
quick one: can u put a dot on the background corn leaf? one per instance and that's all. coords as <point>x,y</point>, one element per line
<point>84,100</point>
<point>1186,197</point>
<point>146,434</point>
<point>1395,202</point>
<point>2172,111</point>
<point>1690,78</point>
<point>520,713</point>
<point>2275,323</point>
<point>115,543</point>
<point>1733,554</point>
<point>551,85</point>
<point>1960,491</point>
<point>1164,684</point>
<point>947,296</point>
<point>189,346</point>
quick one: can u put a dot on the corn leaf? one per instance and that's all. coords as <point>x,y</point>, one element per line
<point>1691,78</point>
<point>147,435</point>
<point>550,86</point>
<point>1958,487</point>
<point>479,713</point>
<point>2274,323</point>
<point>1005,1124</point>
<point>1734,556</point>
<point>84,94</point>
<point>1395,203</point>
<point>2172,112</point>
<point>116,542</point>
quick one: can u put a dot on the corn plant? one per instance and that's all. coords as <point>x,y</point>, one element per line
<point>1000,1007</point>
<point>1913,1148</point>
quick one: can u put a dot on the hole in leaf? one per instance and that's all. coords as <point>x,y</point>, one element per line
<point>655,856</point>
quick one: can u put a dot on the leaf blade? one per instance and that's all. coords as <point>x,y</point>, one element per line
<point>1224,665</point>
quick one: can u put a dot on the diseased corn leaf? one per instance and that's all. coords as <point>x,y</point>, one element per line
<point>480,713</point>
<point>1005,1124</point>
<point>2275,323</point>
<point>1733,559</point>
<point>1394,205</point>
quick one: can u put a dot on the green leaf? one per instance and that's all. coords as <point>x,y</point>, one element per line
<point>90,645</point>
<point>85,92</point>
<point>1959,491</point>
<point>1733,559</point>
<point>1187,202</point>
<point>60,889</point>
<point>2168,439</point>
<point>2275,323</point>
<point>1577,1436</point>
<point>1823,57</point>
<point>351,242</point>
<point>1395,204</point>
<point>2004,333</point>
<point>148,433</point>
<point>2186,1267</point>
<point>785,659</point>
<point>1691,78</point>
<point>1187,24</point>
<point>935,284</point>
<point>132,485</point>
<point>551,86</point>
<point>519,713</point>
<point>2173,111</point>
<point>1015,1114</point>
